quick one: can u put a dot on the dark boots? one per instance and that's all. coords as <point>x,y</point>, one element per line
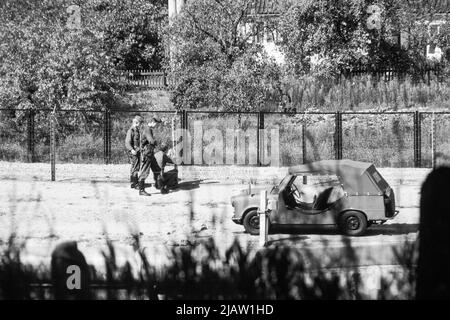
<point>134,182</point>
<point>164,190</point>
<point>142,191</point>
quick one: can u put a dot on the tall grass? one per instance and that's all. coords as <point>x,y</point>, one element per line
<point>365,92</point>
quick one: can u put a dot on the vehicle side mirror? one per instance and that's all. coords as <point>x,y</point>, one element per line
<point>275,190</point>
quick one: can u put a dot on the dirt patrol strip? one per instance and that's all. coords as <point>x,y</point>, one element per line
<point>46,213</point>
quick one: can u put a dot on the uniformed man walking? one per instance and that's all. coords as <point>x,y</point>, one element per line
<point>132,143</point>
<point>148,144</point>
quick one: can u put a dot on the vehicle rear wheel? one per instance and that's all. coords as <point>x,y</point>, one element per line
<point>353,223</point>
<point>251,222</point>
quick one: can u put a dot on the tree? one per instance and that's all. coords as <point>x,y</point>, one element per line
<point>331,37</point>
<point>53,58</point>
<point>132,31</point>
<point>418,24</point>
<point>61,54</point>
<point>328,31</point>
<point>215,62</point>
<point>48,64</point>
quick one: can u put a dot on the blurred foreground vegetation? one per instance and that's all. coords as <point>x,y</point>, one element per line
<point>199,271</point>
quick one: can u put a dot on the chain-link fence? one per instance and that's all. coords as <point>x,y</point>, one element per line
<point>79,137</point>
<point>13,134</point>
<point>120,121</point>
<point>388,139</point>
<point>435,138</point>
<point>222,138</point>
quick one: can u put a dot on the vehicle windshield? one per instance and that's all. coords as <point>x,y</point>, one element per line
<point>277,186</point>
<point>285,179</point>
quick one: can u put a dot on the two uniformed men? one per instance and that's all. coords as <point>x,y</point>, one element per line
<point>140,143</point>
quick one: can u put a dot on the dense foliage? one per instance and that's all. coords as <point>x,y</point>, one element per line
<point>331,37</point>
<point>132,31</point>
<point>214,60</point>
<point>55,56</point>
<point>61,54</point>
<point>45,64</point>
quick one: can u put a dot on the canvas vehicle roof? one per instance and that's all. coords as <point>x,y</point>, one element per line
<point>356,176</point>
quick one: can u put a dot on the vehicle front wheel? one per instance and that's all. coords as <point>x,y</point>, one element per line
<point>251,222</point>
<point>353,223</point>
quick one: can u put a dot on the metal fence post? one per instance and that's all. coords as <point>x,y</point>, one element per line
<point>53,145</point>
<point>183,120</point>
<point>30,135</point>
<point>417,140</point>
<point>260,139</point>
<point>338,136</point>
<point>165,85</point>
<point>433,141</point>
<point>304,141</point>
<point>184,128</point>
<point>305,178</point>
<point>257,140</point>
<point>105,119</point>
<point>107,136</point>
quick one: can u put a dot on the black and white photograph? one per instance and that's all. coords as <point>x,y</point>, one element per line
<point>240,152</point>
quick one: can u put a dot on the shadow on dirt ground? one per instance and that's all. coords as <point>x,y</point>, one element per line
<point>191,185</point>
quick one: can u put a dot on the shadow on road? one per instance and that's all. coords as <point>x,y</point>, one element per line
<point>392,229</point>
<point>388,229</point>
<point>293,238</point>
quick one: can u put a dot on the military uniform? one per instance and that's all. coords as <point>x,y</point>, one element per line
<point>164,180</point>
<point>133,142</point>
<point>148,144</point>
